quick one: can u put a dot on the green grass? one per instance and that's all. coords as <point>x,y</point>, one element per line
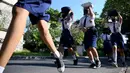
<point>28,53</point>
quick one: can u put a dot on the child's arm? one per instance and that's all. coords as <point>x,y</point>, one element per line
<point>69,17</point>
<point>91,12</point>
<point>80,26</point>
<point>120,18</point>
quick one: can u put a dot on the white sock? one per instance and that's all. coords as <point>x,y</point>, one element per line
<point>115,56</point>
<point>74,57</point>
<point>1,69</point>
<point>123,58</point>
<point>92,61</point>
<point>97,58</point>
<point>57,54</point>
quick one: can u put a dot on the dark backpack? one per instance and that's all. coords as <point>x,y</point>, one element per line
<point>112,12</point>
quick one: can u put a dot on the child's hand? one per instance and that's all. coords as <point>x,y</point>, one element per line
<point>84,29</point>
<point>70,11</point>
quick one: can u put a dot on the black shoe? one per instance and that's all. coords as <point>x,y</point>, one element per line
<point>75,62</point>
<point>93,66</point>
<point>60,65</point>
<point>98,64</point>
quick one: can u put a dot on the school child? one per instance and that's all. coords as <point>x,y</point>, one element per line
<point>107,46</point>
<point>36,10</point>
<point>87,25</point>
<point>66,39</point>
<point>114,23</point>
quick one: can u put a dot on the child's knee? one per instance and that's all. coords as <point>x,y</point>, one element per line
<point>19,11</point>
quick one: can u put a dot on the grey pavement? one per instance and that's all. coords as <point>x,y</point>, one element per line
<point>48,66</point>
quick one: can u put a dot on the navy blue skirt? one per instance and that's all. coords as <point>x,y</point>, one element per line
<point>37,9</point>
<point>66,39</point>
<point>107,47</point>
<point>117,39</point>
<point>90,38</point>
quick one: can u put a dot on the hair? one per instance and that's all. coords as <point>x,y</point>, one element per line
<point>65,11</point>
<point>85,11</point>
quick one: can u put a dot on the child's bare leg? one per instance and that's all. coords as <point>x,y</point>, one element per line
<point>61,49</point>
<point>95,53</point>
<point>90,55</point>
<point>115,53</point>
<point>46,36</point>
<point>14,34</point>
<point>122,54</point>
<point>71,51</point>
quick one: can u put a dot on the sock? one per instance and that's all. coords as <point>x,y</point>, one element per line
<point>123,58</point>
<point>1,69</point>
<point>97,58</point>
<point>115,57</point>
<point>57,54</point>
<point>92,61</point>
<point>74,57</point>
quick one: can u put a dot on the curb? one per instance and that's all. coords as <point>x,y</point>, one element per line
<point>45,57</point>
<point>31,57</point>
<point>39,57</point>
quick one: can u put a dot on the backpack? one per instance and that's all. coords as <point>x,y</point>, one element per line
<point>112,12</point>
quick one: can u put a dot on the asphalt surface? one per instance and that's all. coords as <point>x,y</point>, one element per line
<point>48,66</point>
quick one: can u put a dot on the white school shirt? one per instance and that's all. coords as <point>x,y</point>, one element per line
<point>117,26</point>
<point>103,36</point>
<point>89,21</point>
<point>67,22</point>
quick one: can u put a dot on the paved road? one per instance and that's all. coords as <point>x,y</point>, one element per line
<point>47,66</point>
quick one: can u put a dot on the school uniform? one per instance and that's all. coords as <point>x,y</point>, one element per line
<point>66,36</point>
<point>116,36</point>
<point>37,9</point>
<point>107,46</point>
<point>90,36</point>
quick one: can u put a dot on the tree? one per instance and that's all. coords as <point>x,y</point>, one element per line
<point>122,6</point>
<point>1,27</point>
<point>55,27</point>
<point>32,38</point>
<point>77,34</point>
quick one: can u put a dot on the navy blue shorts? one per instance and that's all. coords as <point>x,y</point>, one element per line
<point>37,9</point>
<point>107,47</point>
<point>90,38</point>
<point>66,39</point>
<point>117,39</point>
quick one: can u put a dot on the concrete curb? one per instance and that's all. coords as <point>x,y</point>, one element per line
<point>44,57</point>
<point>31,57</point>
<point>39,57</point>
